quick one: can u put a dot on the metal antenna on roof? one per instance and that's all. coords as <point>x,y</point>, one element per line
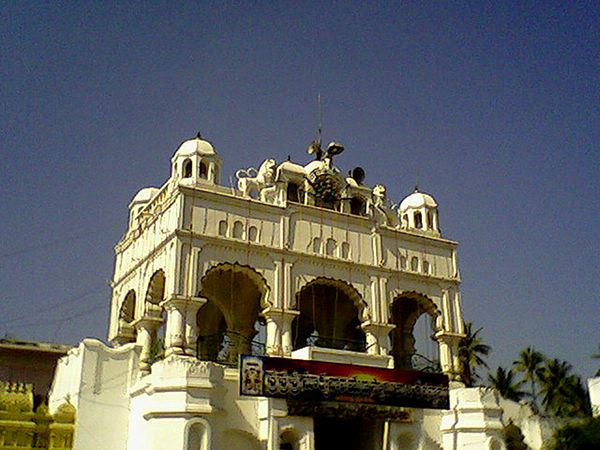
<point>320,118</point>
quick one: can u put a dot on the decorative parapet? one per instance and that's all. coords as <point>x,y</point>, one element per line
<point>23,428</point>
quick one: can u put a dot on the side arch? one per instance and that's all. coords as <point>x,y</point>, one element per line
<point>405,309</point>
<point>156,287</point>
<point>127,310</point>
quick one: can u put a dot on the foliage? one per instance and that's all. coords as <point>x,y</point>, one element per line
<point>529,365</point>
<point>506,385</point>
<point>513,437</point>
<point>563,393</point>
<point>581,436</point>
<point>472,351</point>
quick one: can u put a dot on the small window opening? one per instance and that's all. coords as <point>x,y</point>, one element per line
<point>403,262</point>
<point>414,264</point>
<point>429,220</point>
<point>293,192</point>
<point>187,168</point>
<point>253,234</point>
<point>345,250</point>
<point>330,247</point>
<point>426,267</point>
<point>203,170</point>
<point>317,245</point>
<point>223,228</point>
<point>357,206</point>
<point>405,220</point>
<point>418,220</point>
<point>238,230</point>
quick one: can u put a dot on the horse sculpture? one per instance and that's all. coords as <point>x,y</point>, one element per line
<point>251,184</point>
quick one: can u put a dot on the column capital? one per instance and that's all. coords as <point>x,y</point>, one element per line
<point>147,322</point>
<point>177,300</point>
<point>449,336</point>
<point>278,313</point>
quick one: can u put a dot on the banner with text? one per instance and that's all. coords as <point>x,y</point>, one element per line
<point>303,380</point>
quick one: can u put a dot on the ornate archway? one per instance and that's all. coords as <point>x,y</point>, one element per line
<point>330,316</point>
<point>236,295</point>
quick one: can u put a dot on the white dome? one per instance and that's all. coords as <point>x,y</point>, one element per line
<point>196,146</point>
<point>417,200</point>
<point>144,195</point>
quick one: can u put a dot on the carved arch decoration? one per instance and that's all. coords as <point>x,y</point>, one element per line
<point>344,286</point>
<point>405,309</point>
<point>259,280</point>
<point>331,313</point>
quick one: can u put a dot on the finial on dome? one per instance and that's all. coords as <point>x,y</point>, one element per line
<point>199,136</point>
<point>417,182</point>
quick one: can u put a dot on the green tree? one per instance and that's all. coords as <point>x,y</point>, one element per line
<point>504,382</point>
<point>580,436</point>
<point>472,351</point>
<point>529,365</point>
<point>563,393</point>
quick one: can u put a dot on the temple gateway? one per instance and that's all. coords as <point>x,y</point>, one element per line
<point>280,313</point>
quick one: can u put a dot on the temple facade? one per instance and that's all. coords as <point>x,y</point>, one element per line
<point>295,261</point>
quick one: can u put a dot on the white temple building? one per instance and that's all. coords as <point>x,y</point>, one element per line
<point>297,262</point>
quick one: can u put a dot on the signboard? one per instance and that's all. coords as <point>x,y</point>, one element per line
<point>315,381</point>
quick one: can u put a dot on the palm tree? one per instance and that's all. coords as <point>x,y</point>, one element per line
<point>504,382</point>
<point>530,364</point>
<point>472,351</point>
<point>563,393</point>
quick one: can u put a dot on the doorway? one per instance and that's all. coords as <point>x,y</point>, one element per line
<point>348,434</point>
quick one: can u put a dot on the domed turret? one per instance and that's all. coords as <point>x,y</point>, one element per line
<point>140,200</point>
<point>419,212</point>
<point>196,161</point>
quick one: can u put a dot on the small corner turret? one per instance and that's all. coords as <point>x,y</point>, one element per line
<point>419,212</point>
<point>196,162</point>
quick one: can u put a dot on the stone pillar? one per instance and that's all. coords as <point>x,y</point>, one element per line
<point>146,328</point>
<point>182,330</point>
<point>473,421</point>
<point>174,333</point>
<point>377,337</point>
<point>192,305</point>
<point>279,331</point>
<point>449,358</point>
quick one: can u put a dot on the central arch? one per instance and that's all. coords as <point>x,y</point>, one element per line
<point>406,309</point>
<point>228,322</point>
<point>330,316</point>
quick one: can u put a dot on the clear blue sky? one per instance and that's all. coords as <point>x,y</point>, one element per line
<point>496,106</point>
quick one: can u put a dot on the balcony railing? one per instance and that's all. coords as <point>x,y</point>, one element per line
<point>224,348</point>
